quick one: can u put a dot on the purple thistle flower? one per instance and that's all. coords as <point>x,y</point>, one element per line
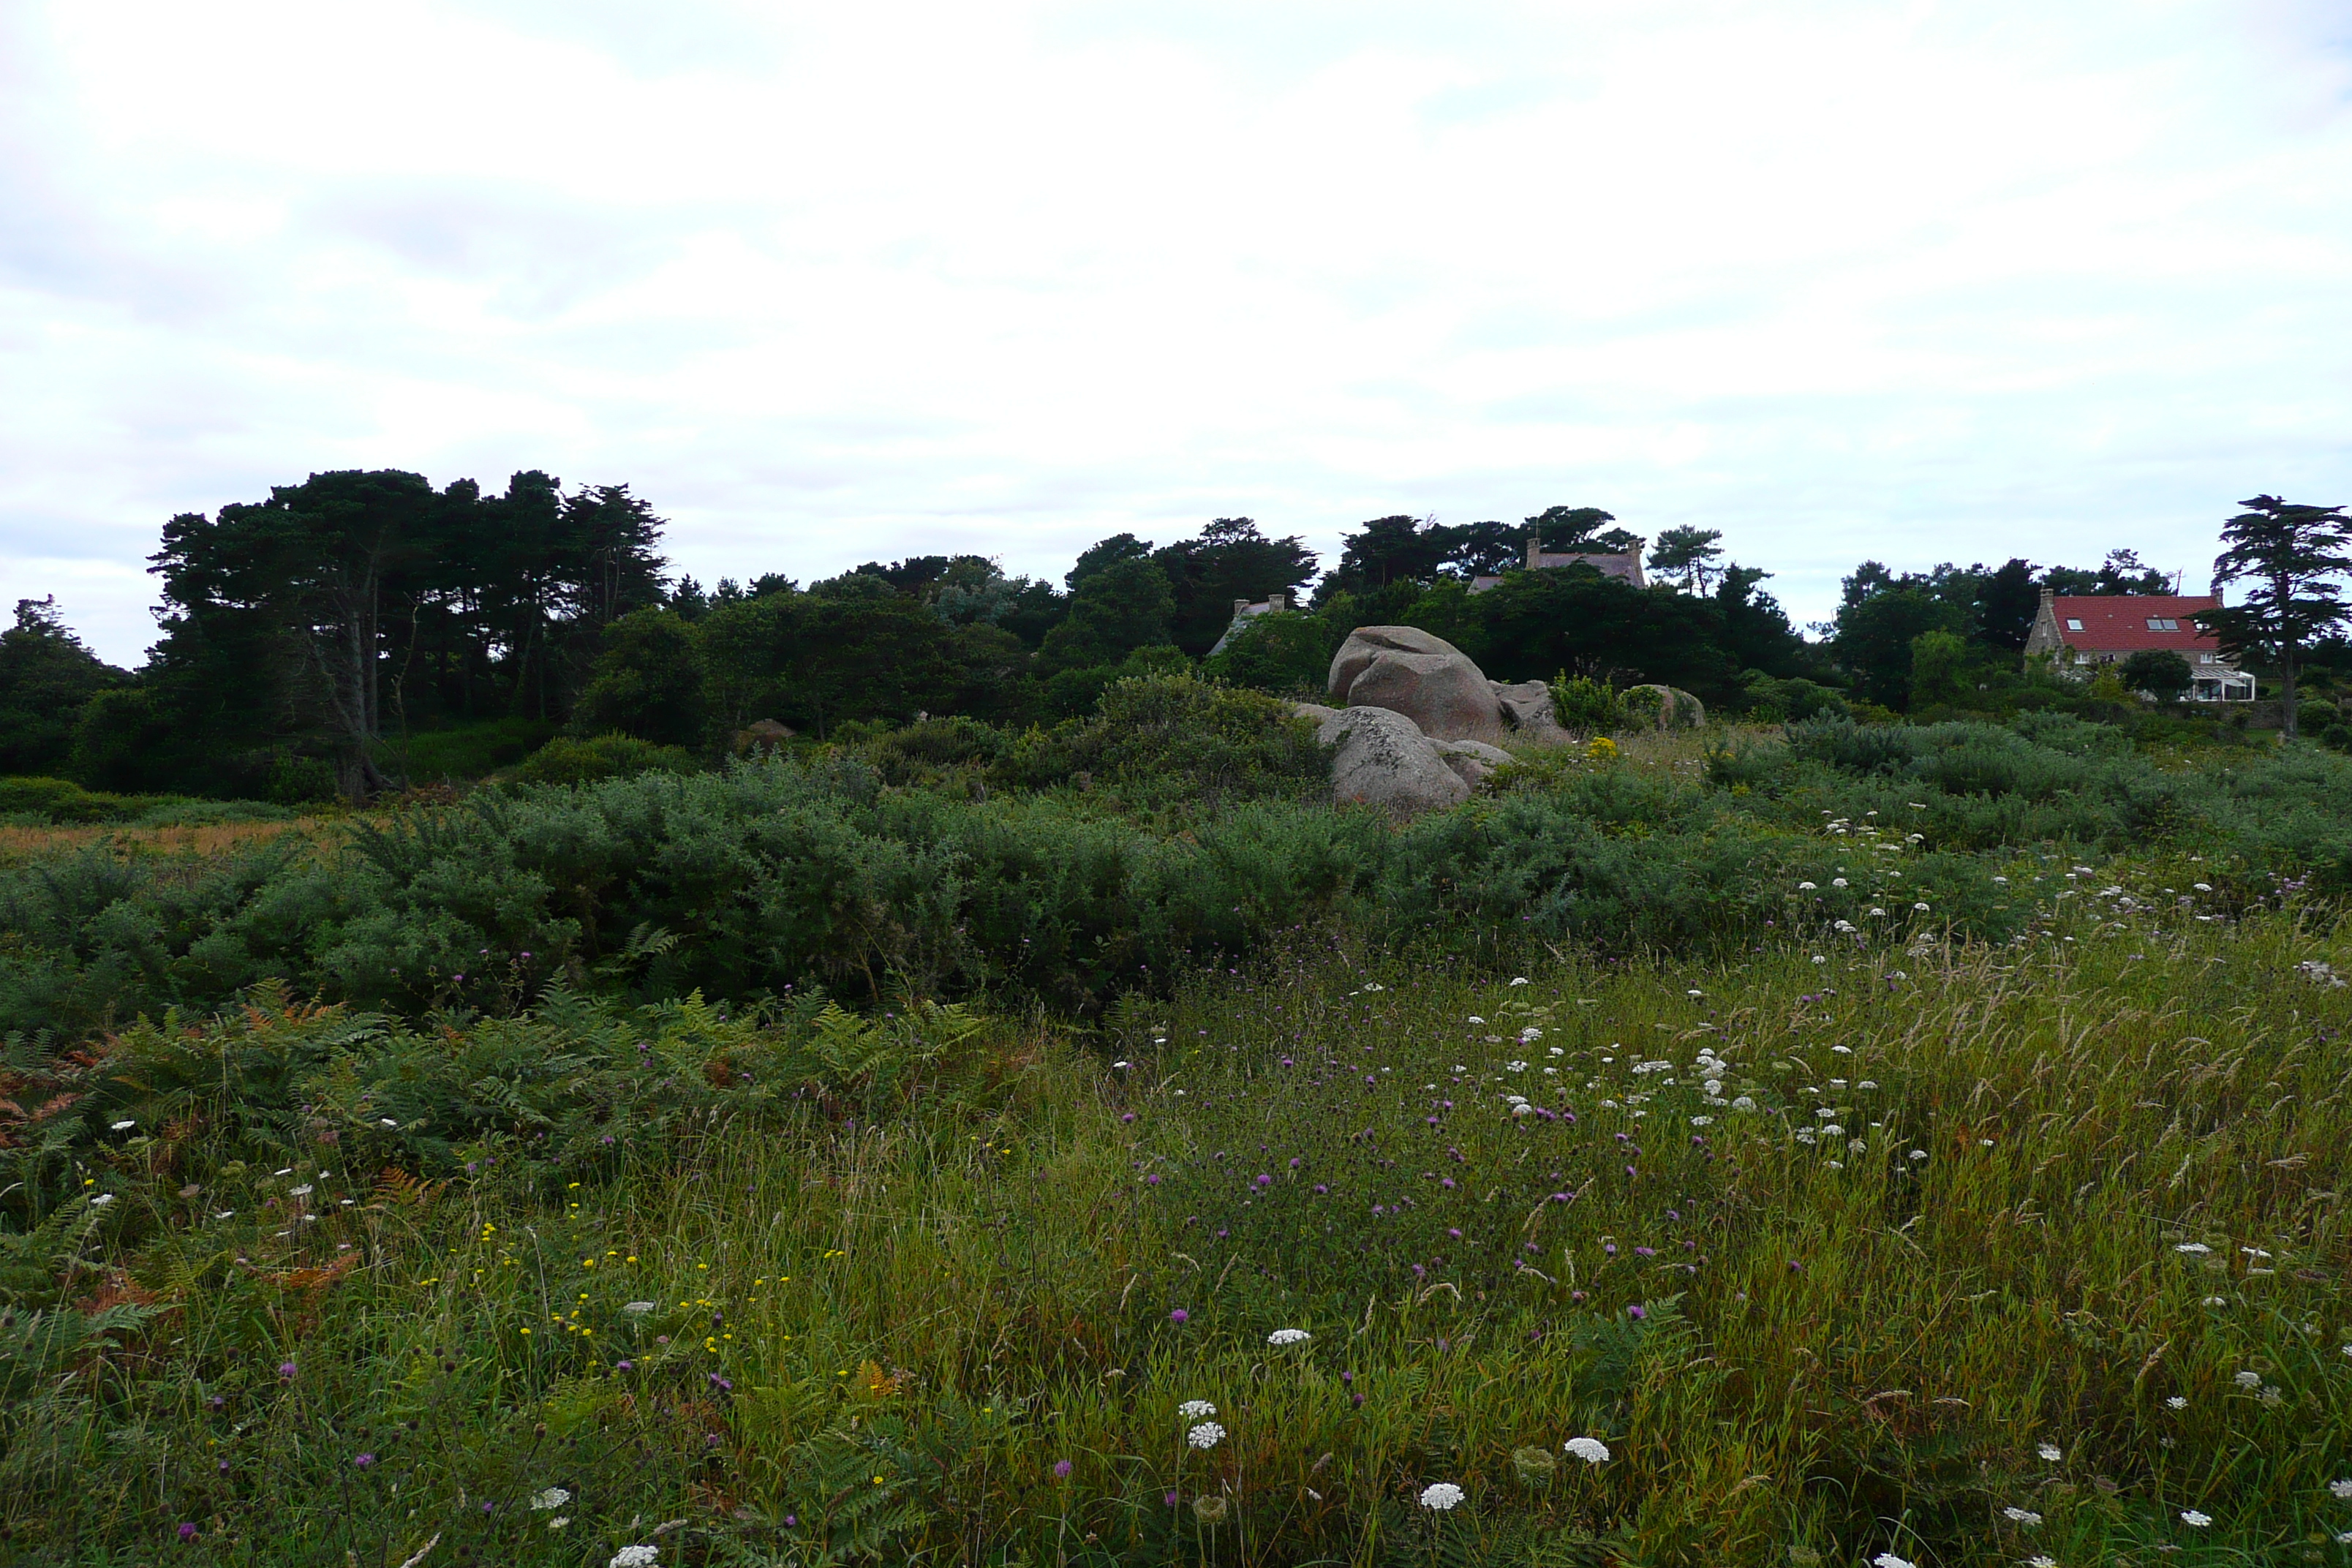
<point>625,1366</point>
<point>187,1533</point>
<point>286,1372</point>
<point>1636,1312</point>
<point>365,1460</point>
<point>1179,1316</point>
<point>1171,1500</point>
<point>1061,1470</point>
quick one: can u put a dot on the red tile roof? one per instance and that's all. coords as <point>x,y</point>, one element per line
<point>2118,623</point>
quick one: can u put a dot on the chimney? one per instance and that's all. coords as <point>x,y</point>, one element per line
<point>1278,602</point>
<point>1239,606</point>
<point>2049,598</point>
<point>1535,550</point>
<point>2218,599</point>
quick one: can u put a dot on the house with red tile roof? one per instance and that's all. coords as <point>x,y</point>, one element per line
<point>2108,628</point>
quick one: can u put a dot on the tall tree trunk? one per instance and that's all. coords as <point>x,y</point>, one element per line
<point>2287,650</point>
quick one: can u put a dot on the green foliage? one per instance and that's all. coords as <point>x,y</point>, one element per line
<point>1876,629</point>
<point>1939,670</point>
<point>568,761</point>
<point>1770,702</point>
<point>300,781</point>
<point>806,1315</point>
<point>2160,672</point>
<point>46,675</point>
<point>1587,706</point>
<point>648,682</point>
<point>1287,653</point>
<point>464,752</point>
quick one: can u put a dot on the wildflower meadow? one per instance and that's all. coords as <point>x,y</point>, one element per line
<point>1852,1234</point>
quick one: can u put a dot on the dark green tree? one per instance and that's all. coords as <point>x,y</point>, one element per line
<point>2007,600</point>
<point>2160,672</point>
<point>1387,549</point>
<point>1538,623</point>
<point>647,681</point>
<point>1940,670</point>
<point>1230,560</point>
<point>46,676</point>
<point>2123,571</point>
<point>1120,601</point>
<point>1876,622</point>
<point>2291,553</point>
<point>1689,555</point>
<point>1569,528</point>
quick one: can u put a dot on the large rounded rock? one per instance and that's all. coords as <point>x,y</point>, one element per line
<point>1527,708</point>
<point>1474,762</point>
<point>1426,679</point>
<point>1668,707</point>
<point>1384,760</point>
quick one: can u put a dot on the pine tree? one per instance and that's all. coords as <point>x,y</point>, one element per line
<point>2289,553</point>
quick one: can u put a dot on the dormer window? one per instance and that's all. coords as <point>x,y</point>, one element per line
<point>2073,625</point>
<point>2163,624</point>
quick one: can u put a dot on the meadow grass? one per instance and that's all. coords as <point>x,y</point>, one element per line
<point>1968,1255</point>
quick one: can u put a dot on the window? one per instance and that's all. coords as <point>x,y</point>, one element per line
<point>2162,623</point>
<point>2073,625</point>
<point>2204,658</point>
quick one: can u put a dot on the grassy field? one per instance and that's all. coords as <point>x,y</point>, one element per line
<point>1985,1254</point>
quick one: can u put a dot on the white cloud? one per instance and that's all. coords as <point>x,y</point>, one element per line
<point>1913,281</point>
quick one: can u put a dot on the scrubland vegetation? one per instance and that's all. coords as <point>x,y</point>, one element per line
<point>1916,1140</point>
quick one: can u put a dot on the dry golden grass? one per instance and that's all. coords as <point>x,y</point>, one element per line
<point>210,839</point>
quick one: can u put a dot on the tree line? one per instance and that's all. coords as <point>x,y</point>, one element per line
<point>305,638</point>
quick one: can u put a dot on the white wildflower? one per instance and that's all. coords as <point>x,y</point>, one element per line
<point>1888,1560</point>
<point>1207,1435</point>
<point>1196,1409</point>
<point>1921,908</point>
<point>1288,1337</point>
<point>1837,882</point>
<point>1592,1450</point>
<point>304,1191</point>
<point>2041,1560</point>
<point>1475,1019</point>
<point>2217,1300</point>
<point>2247,1379</point>
<point>1515,1067</point>
<point>1701,1122</point>
<point>1441,1496</point>
<point>2176,1403</point>
<point>553,1497</point>
<point>1804,887</point>
<point>2194,1520</point>
<point>125,1125</point>
<point>1519,979</point>
<point>1531,1035</point>
<point>2024,1515</point>
<point>2341,1489</point>
<point>1918,1153</point>
<point>101,1200</point>
<point>636,1308</point>
<point>388,1122</point>
<point>2049,1451</point>
<point>1744,1103</point>
<point>558,1523</point>
<point>635,1557</point>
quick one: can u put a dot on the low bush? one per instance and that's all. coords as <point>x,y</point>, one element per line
<point>567,761</point>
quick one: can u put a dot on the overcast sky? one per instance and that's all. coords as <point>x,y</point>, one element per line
<point>833,282</point>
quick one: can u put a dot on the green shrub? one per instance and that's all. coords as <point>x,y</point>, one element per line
<point>1588,707</point>
<point>464,752</point>
<point>299,780</point>
<point>64,803</point>
<point>566,761</point>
